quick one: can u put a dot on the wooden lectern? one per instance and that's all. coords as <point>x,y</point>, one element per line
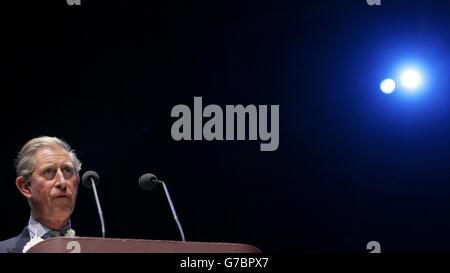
<point>108,245</point>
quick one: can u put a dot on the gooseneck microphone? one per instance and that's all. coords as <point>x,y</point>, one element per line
<point>149,181</point>
<point>90,179</point>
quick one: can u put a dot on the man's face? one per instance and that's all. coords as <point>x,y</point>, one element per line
<point>54,184</point>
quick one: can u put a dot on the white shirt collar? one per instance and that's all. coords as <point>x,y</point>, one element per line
<point>37,229</point>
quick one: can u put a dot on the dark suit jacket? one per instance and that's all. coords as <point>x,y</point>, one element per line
<point>15,244</point>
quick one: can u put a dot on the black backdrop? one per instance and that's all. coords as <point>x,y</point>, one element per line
<point>349,169</point>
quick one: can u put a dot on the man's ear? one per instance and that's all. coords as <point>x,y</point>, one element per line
<point>23,186</point>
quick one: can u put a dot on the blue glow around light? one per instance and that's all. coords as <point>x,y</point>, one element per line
<point>387,86</point>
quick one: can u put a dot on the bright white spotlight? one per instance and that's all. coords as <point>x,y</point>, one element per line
<point>387,86</point>
<point>411,78</point>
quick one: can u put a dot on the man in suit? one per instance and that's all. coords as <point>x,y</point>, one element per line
<point>48,177</point>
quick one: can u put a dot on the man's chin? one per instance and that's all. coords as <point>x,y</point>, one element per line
<point>63,210</point>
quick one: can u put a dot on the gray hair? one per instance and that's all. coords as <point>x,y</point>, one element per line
<point>24,162</point>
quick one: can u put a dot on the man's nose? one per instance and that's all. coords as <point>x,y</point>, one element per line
<point>61,182</point>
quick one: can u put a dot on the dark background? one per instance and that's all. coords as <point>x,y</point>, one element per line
<point>353,165</point>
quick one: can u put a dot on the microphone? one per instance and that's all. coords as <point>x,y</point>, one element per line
<point>149,181</point>
<point>90,179</point>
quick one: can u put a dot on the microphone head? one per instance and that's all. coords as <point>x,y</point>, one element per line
<point>86,179</point>
<point>148,181</point>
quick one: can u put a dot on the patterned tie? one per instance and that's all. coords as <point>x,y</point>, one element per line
<point>51,234</point>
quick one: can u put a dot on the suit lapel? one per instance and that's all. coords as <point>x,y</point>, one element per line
<point>22,240</point>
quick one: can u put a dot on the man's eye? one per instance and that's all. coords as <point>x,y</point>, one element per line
<point>69,170</point>
<point>47,171</point>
